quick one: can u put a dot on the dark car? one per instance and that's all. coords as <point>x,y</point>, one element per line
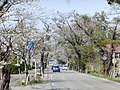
<point>56,68</point>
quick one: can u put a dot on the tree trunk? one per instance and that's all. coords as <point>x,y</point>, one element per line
<point>110,57</point>
<point>45,65</point>
<point>29,59</point>
<point>111,53</point>
<point>26,69</point>
<point>25,63</point>
<point>5,80</point>
<point>110,62</point>
<point>79,65</point>
<point>42,63</point>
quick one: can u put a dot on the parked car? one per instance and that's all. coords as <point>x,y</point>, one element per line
<point>60,67</point>
<point>64,67</point>
<point>56,68</point>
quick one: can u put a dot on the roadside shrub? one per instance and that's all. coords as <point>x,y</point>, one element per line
<point>12,69</point>
<point>34,82</point>
<point>22,67</point>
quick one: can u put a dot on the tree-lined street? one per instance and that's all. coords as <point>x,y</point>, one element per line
<point>83,36</point>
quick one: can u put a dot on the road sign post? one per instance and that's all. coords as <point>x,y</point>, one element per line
<point>30,45</point>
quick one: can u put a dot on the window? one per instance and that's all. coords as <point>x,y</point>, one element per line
<point>117,55</point>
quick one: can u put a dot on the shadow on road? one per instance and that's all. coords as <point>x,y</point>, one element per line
<point>59,89</point>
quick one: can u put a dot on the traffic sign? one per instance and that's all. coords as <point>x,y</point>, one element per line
<point>30,45</point>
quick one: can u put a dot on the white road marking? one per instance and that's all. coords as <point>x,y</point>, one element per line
<point>51,77</point>
<point>52,82</point>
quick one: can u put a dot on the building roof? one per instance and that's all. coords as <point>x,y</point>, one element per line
<point>116,48</point>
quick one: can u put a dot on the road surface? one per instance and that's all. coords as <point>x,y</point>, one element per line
<point>71,80</point>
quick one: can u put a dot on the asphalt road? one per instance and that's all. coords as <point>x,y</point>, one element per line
<point>71,80</point>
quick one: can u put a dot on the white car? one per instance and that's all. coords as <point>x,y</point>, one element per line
<point>64,67</point>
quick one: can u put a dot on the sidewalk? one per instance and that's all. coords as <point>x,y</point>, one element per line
<point>46,85</point>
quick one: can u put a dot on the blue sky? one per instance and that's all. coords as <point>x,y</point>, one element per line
<point>81,6</point>
<point>88,7</point>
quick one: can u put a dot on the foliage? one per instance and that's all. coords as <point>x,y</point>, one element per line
<point>113,1</point>
<point>12,69</point>
<point>22,67</point>
<point>106,77</point>
<point>35,82</point>
<point>30,82</point>
<point>83,39</point>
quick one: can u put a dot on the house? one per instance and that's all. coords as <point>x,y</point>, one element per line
<point>116,57</point>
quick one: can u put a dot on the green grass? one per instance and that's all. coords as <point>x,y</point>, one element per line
<point>34,82</point>
<point>117,79</point>
<point>31,82</point>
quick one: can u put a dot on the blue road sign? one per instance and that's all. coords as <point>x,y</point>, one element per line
<point>30,45</point>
